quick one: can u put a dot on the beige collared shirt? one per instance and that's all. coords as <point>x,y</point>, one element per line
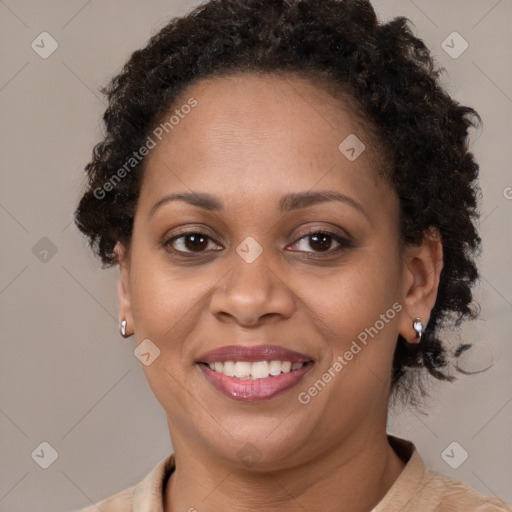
<point>417,489</point>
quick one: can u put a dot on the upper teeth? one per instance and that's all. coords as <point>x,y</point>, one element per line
<point>257,370</point>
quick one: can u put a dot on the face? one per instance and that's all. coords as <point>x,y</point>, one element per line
<point>288,251</point>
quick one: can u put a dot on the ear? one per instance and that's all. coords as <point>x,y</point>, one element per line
<point>422,267</point>
<point>123,289</point>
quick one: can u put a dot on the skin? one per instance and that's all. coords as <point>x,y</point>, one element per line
<point>250,140</point>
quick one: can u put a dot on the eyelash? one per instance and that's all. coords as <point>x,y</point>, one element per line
<point>344,243</point>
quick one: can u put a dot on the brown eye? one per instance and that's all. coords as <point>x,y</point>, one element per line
<point>322,241</point>
<point>192,242</point>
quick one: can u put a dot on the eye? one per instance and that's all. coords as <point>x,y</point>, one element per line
<point>189,242</point>
<point>197,242</point>
<point>322,241</point>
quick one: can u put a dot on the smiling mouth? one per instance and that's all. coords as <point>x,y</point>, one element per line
<point>253,372</point>
<point>254,381</point>
<point>247,370</point>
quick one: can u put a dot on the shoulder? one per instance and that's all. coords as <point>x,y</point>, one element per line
<point>147,494</point>
<point>421,488</point>
<point>456,496</point>
<point>120,502</point>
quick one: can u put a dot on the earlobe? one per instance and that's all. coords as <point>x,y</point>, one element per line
<point>123,292</point>
<point>422,266</point>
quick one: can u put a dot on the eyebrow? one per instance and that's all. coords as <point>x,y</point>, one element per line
<point>289,202</point>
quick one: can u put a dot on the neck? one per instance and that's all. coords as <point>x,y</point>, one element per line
<point>359,472</point>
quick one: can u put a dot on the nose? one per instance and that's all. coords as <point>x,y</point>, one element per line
<point>252,293</point>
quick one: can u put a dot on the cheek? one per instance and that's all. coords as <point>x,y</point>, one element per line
<point>357,313</point>
<point>165,310</point>
<point>353,299</point>
<point>164,303</point>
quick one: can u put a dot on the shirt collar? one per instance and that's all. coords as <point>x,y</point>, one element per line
<point>410,479</point>
<point>148,495</point>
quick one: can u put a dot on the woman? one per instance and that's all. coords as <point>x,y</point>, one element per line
<point>289,196</point>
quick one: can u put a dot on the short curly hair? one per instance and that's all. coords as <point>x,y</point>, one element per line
<point>394,84</point>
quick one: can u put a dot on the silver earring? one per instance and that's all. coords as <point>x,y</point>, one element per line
<point>418,328</point>
<point>122,328</point>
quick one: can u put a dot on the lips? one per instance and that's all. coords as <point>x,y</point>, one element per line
<point>239,384</point>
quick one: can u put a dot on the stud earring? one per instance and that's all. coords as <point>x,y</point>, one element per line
<point>122,329</point>
<point>418,328</point>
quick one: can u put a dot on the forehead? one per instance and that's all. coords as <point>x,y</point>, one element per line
<point>244,110</point>
<point>255,133</point>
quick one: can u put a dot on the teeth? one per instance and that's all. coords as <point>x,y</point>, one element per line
<point>242,369</point>
<point>256,370</point>
<point>275,367</point>
<point>260,370</point>
<point>228,369</point>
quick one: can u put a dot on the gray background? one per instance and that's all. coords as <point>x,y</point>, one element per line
<point>68,378</point>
